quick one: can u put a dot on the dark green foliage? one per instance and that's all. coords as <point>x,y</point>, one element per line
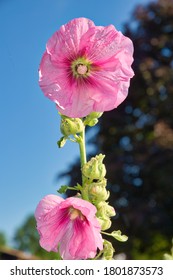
<point>3,240</point>
<point>27,239</point>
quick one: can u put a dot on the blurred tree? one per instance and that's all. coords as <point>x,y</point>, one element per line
<point>27,239</point>
<point>137,138</point>
<point>3,240</point>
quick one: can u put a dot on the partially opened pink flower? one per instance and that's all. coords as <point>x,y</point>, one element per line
<point>69,225</point>
<point>86,68</point>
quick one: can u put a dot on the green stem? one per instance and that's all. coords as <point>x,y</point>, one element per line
<point>83,160</point>
<point>106,233</point>
<point>82,148</point>
<point>98,255</point>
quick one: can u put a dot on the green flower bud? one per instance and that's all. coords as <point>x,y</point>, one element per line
<point>94,115</point>
<point>108,250</point>
<point>105,222</point>
<point>97,191</point>
<point>104,209</point>
<point>92,119</point>
<point>104,212</point>
<point>71,126</point>
<point>94,169</point>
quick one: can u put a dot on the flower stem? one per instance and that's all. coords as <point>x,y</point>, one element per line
<point>83,160</point>
<point>82,148</point>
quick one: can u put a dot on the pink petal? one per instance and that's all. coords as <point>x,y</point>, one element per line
<point>52,230</point>
<point>83,244</point>
<point>111,90</point>
<point>46,205</point>
<point>52,78</point>
<point>79,107</point>
<point>46,215</point>
<point>65,42</point>
<point>100,43</point>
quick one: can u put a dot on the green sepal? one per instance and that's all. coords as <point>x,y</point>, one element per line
<point>78,187</point>
<point>92,119</point>
<point>58,258</point>
<point>63,189</point>
<point>92,122</point>
<point>62,142</point>
<point>118,236</point>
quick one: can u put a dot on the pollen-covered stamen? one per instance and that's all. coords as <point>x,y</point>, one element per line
<point>75,213</point>
<point>81,69</point>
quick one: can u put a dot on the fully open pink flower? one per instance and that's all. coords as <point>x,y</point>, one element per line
<point>68,225</point>
<point>86,68</point>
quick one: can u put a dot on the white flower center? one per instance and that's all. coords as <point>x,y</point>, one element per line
<point>75,213</point>
<point>81,69</point>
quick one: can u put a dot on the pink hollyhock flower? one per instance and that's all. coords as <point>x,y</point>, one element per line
<point>86,68</point>
<point>69,225</point>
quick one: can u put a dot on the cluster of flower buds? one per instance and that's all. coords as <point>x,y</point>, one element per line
<point>90,204</point>
<point>94,171</point>
<point>94,183</point>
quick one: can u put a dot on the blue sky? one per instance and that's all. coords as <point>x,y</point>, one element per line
<point>29,123</point>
